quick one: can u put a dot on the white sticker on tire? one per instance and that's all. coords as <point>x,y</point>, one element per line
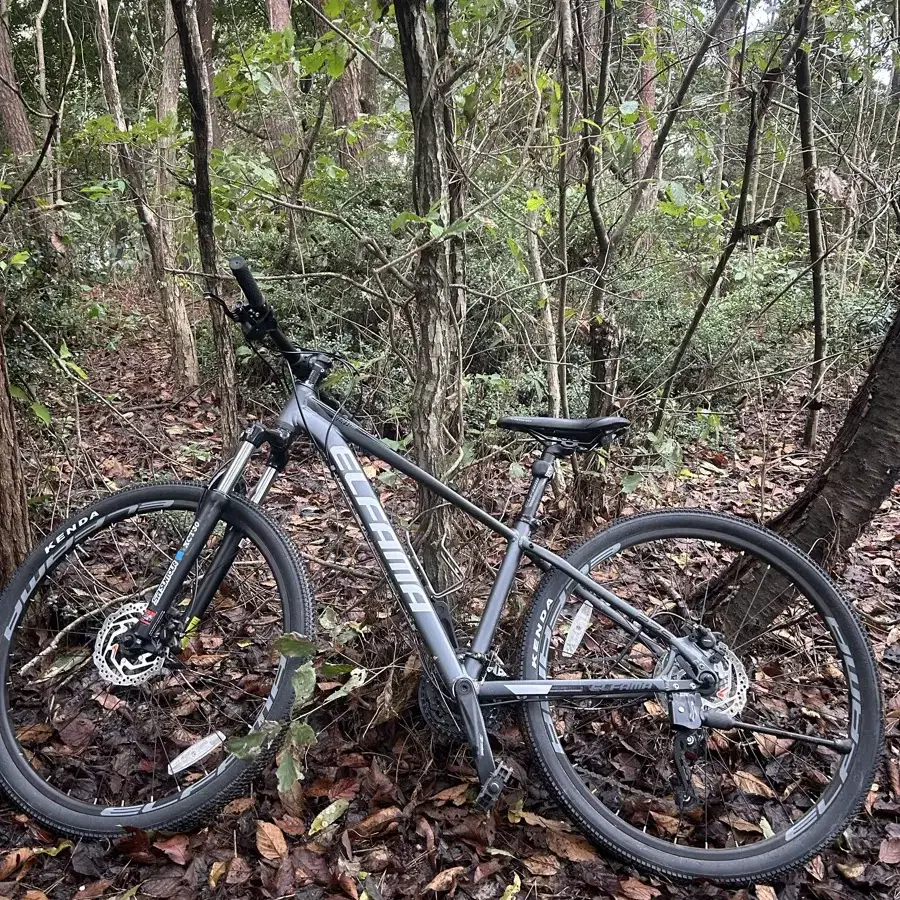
<point>196,752</point>
<point>579,626</point>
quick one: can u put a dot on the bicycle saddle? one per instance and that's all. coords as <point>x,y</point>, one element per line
<point>585,433</point>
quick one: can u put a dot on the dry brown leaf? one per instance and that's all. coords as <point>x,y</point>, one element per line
<point>270,841</point>
<point>14,860</point>
<point>93,890</point>
<point>773,746</point>
<point>739,824</point>
<point>216,871</point>
<point>541,864</point>
<point>572,847</point>
<point>238,871</point>
<point>816,868</point>
<point>177,848</point>
<point>446,880</point>
<point>636,890</point>
<point>750,784</point>
<point>236,807</point>
<point>455,795</point>
<point>378,821</point>
<point>890,851</point>
<point>666,824</point>
<point>765,892</point>
<point>35,895</point>
<point>34,734</point>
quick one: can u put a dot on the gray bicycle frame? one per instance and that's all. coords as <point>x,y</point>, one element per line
<point>335,436</point>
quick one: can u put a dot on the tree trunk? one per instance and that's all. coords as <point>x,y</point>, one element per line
<point>435,408</point>
<point>184,347</point>
<point>199,96</point>
<point>184,354</point>
<point>13,502</point>
<point>19,138</point>
<point>816,239</point>
<point>346,106</point>
<point>646,21</point>
<point>855,478</point>
<point>727,83</point>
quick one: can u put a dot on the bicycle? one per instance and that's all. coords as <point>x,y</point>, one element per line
<point>696,693</point>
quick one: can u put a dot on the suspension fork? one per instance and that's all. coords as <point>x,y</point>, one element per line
<point>207,516</point>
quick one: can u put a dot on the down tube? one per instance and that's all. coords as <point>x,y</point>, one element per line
<point>381,534</point>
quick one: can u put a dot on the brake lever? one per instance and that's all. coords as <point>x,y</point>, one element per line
<point>210,297</point>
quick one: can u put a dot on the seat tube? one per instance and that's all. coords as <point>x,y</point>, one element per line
<point>542,474</point>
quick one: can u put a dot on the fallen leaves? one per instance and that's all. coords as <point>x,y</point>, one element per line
<point>572,847</point>
<point>177,848</point>
<point>378,821</point>
<point>15,860</point>
<point>636,890</point>
<point>329,816</point>
<point>541,864</point>
<point>751,784</point>
<point>889,852</point>
<point>270,841</point>
<point>446,880</point>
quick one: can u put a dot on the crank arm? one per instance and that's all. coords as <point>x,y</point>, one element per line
<point>724,722</point>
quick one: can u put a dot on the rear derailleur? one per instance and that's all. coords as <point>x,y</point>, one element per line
<point>685,716</point>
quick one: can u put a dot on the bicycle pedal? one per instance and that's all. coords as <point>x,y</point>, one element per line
<point>492,789</point>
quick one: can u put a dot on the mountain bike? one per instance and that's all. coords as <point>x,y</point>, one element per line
<point>695,692</point>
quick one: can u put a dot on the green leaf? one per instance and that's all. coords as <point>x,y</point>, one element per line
<point>294,644</point>
<point>288,772</point>
<point>356,680</point>
<point>329,816</point>
<point>630,482</point>
<point>333,670</point>
<point>20,258</point>
<point>333,8</point>
<point>76,369</point>
<point>402,219</point>
<point>41,412</point>
<point>251,745</point>
<point>17,393</point>
<point>336,64</point>
<point>302,734</point>
<point>792,219</point>
<point>304,683</point>
<point>516,470</point>
<point>64,351</point>
<point>535,201</point>
<point>628,107</point>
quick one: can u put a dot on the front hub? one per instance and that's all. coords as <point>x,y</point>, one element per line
<point>112,663</point>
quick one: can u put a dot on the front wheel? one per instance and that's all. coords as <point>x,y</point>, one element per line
<point>791,655</point>
<point>92,744</point>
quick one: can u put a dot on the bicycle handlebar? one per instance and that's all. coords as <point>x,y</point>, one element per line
<point>245,279</point>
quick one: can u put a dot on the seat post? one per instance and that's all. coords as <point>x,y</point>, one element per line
<point>542,475</point>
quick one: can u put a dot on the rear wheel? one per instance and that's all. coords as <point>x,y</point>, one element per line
<point>791,655</point>
<point>91,744</point>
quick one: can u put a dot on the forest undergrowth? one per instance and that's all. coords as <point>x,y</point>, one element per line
<point>397,799</point>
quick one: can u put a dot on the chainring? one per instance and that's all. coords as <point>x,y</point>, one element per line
<point>112,665</point>
<point>441,716</point>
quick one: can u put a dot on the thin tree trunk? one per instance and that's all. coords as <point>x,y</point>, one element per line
<point>199,95</point>
<point>562,183</point>
<point>13,501</point>
<point>759,105</point>
<point>346,106</point>
<point>545,298</point>
<point>185,363</point>
<point>646,21</point>
<point>727,84</point>
<point>184,357</point>
<point>19,137</point>
<point>435,399</point>
<point>816,237</point>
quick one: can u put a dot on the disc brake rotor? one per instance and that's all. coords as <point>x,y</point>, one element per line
<point>731,694</point>
<point>112,665</point>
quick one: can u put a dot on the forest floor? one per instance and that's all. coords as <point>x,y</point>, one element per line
<point>408,825</point>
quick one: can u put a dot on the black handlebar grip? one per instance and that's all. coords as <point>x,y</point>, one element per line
<point>245,279</point>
